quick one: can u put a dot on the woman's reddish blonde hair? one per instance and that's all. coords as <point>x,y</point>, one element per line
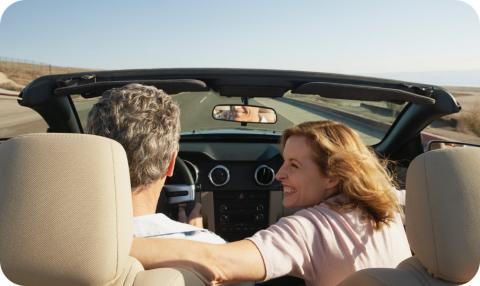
<point>363,177</point>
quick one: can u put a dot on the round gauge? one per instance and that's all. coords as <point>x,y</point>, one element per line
<point>219,175</point>
<point>264,175</point>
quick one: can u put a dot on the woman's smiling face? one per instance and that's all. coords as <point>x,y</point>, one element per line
<point>304,185</point>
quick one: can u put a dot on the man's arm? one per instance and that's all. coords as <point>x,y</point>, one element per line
<point>218,263</point>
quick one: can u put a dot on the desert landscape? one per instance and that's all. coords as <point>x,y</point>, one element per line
<point>14,75</point>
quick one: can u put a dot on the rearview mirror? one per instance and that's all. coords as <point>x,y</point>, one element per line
<point>441,144</point>
<point>244,113</point>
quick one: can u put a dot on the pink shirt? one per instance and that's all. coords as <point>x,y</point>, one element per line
<point>323,246</point>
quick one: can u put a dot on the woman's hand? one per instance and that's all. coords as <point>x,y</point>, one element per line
<point>195,217</point>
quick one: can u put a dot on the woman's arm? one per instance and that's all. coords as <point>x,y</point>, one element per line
<point>218,263</point>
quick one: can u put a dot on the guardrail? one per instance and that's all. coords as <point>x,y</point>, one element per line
<point>337,112</point>
<point>424,135</point>
<point>9,93</point>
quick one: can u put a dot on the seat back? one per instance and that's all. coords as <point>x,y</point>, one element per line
<point>65,211</point>
<point>442,222</point>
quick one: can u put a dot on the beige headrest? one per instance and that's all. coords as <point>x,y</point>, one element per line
<point>443,212</point>
<point>65,210</point>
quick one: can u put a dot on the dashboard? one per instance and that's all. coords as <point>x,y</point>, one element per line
<point>235,183</point>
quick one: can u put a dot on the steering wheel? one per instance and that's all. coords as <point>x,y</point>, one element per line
<point>179,188</point>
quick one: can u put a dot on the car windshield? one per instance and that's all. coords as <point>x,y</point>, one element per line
<point>370,119</point>
<point>362,38</point>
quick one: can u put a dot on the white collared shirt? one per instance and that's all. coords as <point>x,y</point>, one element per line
<point>160,226</point>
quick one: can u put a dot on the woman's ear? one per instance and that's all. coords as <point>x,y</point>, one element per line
<point>171,165</point>
<point>332,182</point>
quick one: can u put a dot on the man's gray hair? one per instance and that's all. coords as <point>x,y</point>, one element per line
<point>145,121</point>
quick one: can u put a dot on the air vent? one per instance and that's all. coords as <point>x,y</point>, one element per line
<point>264,175</point>
<point>219,175</point>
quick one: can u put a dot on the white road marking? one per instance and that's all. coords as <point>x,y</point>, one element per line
<point>203,99</point>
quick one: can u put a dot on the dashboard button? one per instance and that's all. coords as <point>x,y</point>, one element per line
<point>259,217</point>
<point>223,208</point>
<point>224,218</point>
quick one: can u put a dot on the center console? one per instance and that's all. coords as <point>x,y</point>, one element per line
<point>239,214</point>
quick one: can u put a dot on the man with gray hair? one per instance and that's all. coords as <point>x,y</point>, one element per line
<point>146,122</point>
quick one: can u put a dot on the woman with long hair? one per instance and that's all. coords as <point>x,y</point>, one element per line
<point>350,218</point>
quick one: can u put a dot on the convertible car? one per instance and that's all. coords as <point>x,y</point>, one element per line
<point>229,163</point>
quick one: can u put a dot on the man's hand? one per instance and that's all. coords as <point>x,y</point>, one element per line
<point>195,217</point>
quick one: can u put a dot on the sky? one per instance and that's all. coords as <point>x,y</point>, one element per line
<point>431,41</point>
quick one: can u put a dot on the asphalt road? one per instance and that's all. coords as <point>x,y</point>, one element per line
<point>16,119</point>
<point>196,114</point>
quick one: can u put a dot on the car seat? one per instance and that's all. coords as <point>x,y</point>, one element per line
<point>66,214</point>
<point>442,222</point>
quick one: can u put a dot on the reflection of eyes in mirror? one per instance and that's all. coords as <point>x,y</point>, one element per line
<point>267,115</point>
<point>434,145</point>
<point>244,113</point>
<point>444,145</point>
